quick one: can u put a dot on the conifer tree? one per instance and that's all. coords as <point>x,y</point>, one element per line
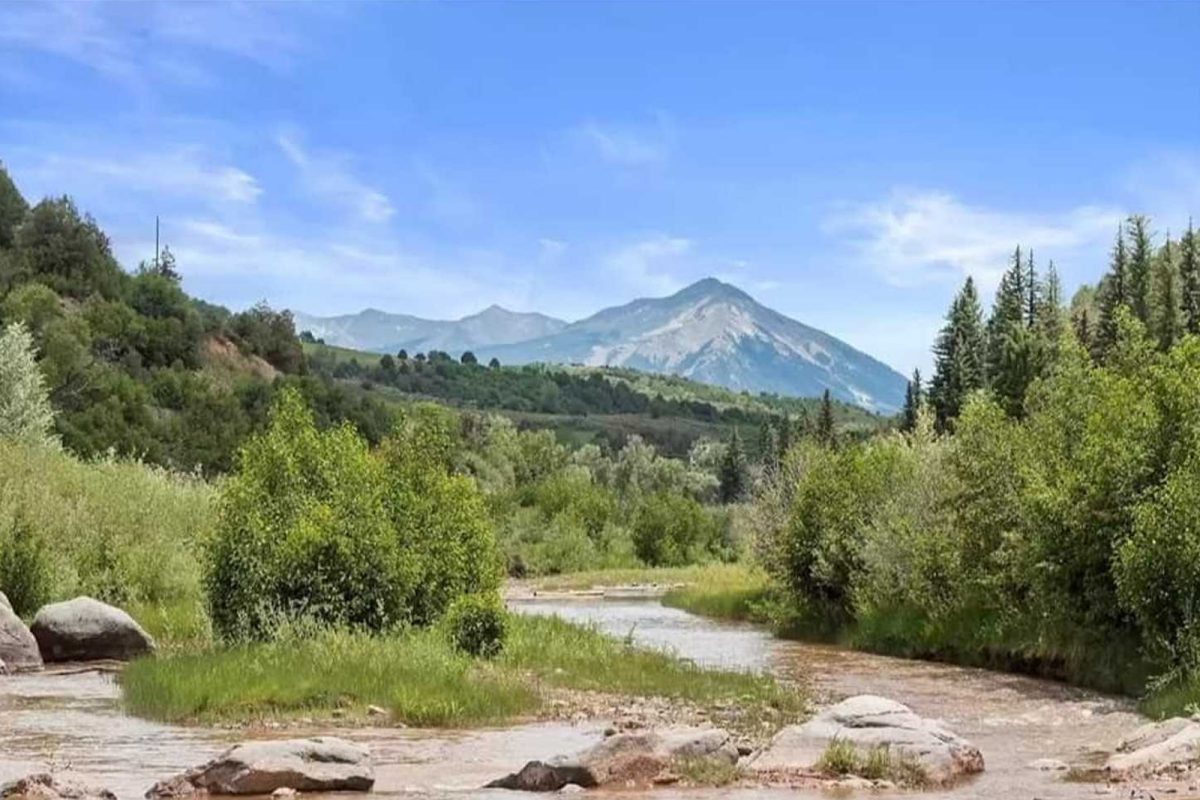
<point>1141,257</point>
<point>732,473</point>
<point>913,399</point>
<point>1112,294</point>
<point>1032,291</point>
<point>1007,311</point>
<point>768,445</point>
<point>1048,322</point>
<point>1166,318</point>
<point>784,440</point>
<point>958,356</point>
<point>1189,279</point>
<point>826,433</point>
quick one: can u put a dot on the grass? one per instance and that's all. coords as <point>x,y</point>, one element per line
<point>422,681</point>
<point>733,591</point>
<point>841,758</point>
<point>640,576</point>
<point>707,772</point>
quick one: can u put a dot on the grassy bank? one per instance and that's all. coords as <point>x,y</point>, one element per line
<point>421,681</point>
<point>667,577</point>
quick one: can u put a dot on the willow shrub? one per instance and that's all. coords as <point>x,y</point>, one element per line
<point>314,526</point>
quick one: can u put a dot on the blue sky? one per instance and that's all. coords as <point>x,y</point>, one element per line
<point>846,163</point>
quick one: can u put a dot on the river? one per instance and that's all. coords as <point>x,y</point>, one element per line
<point>71,721</point>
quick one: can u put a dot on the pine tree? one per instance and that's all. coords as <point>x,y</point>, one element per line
<point>1007,311</point>
<point>826,433</point>
<point>1111,295</point>
<point>1032,291</point>
<point>768,445</point>
<point>1189,279</point>
<point>1141,258</point>
<point>784,440</point>
<point>732,473</point>
<point>1049,316</point>
<point>1166,310</point>
<point>958,356</point>
<point>913,398</point>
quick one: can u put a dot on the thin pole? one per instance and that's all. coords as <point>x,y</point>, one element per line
<point>156,241</point>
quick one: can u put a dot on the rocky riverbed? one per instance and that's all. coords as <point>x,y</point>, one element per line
<point>69,720</point>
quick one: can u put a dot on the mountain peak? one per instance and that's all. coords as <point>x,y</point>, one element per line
<point>710,287</point>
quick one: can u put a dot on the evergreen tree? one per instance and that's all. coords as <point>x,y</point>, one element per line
<point>912,403</point>
<point>784,440</point>
<point>768,445</point>
<point>826,432</point>
<point>1048,321</point>
<point>732,473</point>
<point>1111,296</point>
<point>1032,291</point>
<point>1189,279</point>
<point>1141,258</point>
<point>958,356</point>
<point>12,209</point>
<point>1008,311</point>
<point>1166,317</point>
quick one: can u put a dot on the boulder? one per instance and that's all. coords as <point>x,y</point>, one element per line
<point>624,759</point>
<point>47,787</point>
<point>1172,745</point>
<point>18,648</point>
<point>84,629</point>
<point>869,722</point>
<point>320,764</point>
<point>4,602</point>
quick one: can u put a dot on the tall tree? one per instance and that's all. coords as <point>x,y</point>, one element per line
<point>768,445</point>
<point>1166,320</point>
<point>1048,321</point>
<point>25,411</point>
<point>12,209</point>
<point>1112,294</point>
<point>732,475</point>
<point>1189,278</point>
<point>958,356</point>
<point>1007,311</point>
<point>1141,266</point>
<point>826,432</point>
<point>912,403</point>
<point>1033,291</point>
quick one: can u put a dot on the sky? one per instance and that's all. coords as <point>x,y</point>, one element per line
<point>847,163</point>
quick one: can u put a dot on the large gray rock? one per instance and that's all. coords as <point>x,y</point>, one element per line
<point>321,764</point>
<point>625,759</point>
<point>1157,747</point>
<point>4,602</point>
<point>18,648</point>
<point>869,722</point>
<point>47,787</point>
<point>84,629</point>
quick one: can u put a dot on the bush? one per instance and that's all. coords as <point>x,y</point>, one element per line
<point>304,533</point>
<point>477,624</point>
<point>671,531</point>
<point>24,568</point>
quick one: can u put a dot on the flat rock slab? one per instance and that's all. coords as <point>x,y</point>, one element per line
<point>18,649</point>
<point>84,629</point>
<point>869,722</point>
<point>47,787</point>
<point>1172,745</point>
<point>320,764</point>
<point>624,759</point>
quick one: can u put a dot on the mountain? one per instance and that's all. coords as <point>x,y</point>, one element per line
<point>716,333</point>
<point>381,332</point>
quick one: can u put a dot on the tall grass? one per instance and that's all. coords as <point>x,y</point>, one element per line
<point>731,591</point>
<point>120,531</point>
<point>421,680</point>
<point>666,577</point>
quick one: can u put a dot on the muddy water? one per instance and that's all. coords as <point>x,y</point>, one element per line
<point>71,722</point>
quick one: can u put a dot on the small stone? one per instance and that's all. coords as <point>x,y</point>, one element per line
<point>1049,765</point>
<point>376,711</point>
<point>284,791</point>
<point>610,731</point>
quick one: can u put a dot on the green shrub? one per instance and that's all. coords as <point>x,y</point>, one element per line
<point>24,566</point>
<point>671,530</point>
<point>304,533</point>
<point>477,624</point>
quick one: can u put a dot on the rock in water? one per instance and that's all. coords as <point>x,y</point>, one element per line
<point>84,629</point>
<point>321,764</point>
<point>18,648</point>
<point>1157,747</point>
<point>624,759</point>
<point>47,787</point>
<point>869,722</point>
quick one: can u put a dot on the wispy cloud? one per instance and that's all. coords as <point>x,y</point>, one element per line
<point>630,145</point>
<point>649,265</point>
<point>183,172</point>
<point>915,237</point>
<point>330,176</point>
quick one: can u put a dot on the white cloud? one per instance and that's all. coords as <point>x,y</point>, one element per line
<point>629,145</point>
<point>917,237</point>
<point>328,175</point>
<point>186,172</point>
<point>646,265</point>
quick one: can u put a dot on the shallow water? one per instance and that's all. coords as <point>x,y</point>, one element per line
<point>72,722</point>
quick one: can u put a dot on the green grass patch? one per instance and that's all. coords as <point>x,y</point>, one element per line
<point>842,758</point>
<point>639,576</point>
<point>423,681</point>
<point>732,591</point>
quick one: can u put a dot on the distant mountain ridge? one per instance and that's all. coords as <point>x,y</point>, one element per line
<point>382,332</point>
<point>710,331</point>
